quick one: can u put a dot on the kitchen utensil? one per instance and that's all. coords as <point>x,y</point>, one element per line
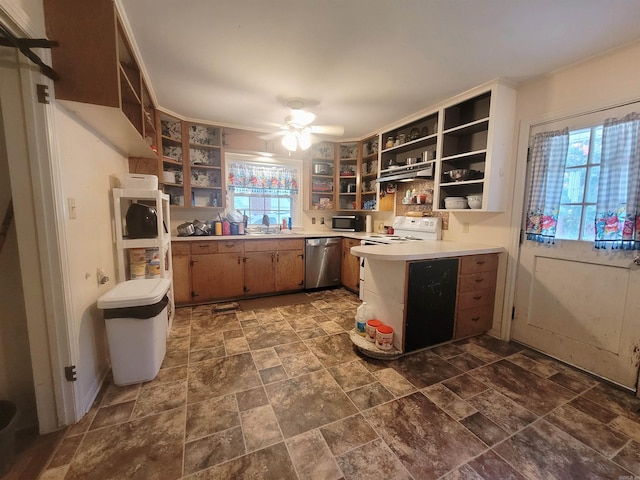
<point>455,203</point>
<point>186,229</point>
<point>475,201</point>
<point>201,228</point>
<point>458,174</point>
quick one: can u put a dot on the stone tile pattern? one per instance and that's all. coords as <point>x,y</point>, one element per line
<point>281,393</point>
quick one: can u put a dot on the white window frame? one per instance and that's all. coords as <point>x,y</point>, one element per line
<point>296,200</point>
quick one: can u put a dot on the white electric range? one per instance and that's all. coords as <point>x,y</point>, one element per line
<point>408,229</point>
<point>405,230</point>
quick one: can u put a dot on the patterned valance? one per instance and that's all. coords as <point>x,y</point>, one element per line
<point>268,179</point>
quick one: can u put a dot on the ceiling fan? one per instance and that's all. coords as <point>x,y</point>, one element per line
<point>298,131</point>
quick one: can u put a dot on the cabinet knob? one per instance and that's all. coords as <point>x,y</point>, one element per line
<point>480,262</point>
<point>475,319</point>
<point>478,280</point>
<point>477,297</point>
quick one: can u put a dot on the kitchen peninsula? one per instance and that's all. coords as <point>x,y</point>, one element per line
<point>429,292</point>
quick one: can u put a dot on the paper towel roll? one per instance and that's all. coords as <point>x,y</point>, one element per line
<point>369,224</point>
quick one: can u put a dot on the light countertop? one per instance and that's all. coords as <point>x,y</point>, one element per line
<point>422,250</point>
<point>275,236</point>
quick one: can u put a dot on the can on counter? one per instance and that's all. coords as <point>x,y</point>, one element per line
<point>137,270</point>
<point>370,329</point>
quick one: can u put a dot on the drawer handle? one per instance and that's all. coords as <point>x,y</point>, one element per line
<point>203,246</point>
<point>475,319</point>
<point>480,262</point>
<point>478,280</point>
<point>477,297</point>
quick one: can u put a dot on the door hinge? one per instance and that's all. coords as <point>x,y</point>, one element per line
<point>43,93</point>
<point>70,373</point>
<point>513,312</point>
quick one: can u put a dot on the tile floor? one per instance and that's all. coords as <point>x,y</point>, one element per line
<point>281,394</point>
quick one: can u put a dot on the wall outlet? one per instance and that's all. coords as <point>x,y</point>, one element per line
<point>313,220</point>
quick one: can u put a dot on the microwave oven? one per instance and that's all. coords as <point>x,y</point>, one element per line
<point>347,223</point>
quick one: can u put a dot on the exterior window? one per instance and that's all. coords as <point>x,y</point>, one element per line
<point>580,185</point>
<point>257,189</point>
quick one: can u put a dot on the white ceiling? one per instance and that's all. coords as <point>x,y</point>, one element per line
<point>363,64</point>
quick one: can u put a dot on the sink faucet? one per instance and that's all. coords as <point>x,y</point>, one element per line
<point>265,221</point>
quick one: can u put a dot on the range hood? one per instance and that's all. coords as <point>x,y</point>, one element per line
<point>419,170</point>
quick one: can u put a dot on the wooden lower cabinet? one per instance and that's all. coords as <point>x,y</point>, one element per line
<point>259,268</point>
<point>181,258</point>
<point>289,272</point>
<point>476,294</point>
<point>216,276</point>
<point>350,270</point>
<point>213,270</point>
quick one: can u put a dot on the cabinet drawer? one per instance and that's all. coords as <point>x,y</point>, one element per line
<point>478,263</point>
<point>260,245</point>
<point>230,246</point>
<point>293,244</point>
<point>199,248</point>
<point>180,248</point>
<point>477,298</point>
<point>477,281</point>
<point>473,321</point>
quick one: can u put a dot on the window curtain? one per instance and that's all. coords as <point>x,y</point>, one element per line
<point>265,179</point>
<point>548,157</point>
<point>617,222</point>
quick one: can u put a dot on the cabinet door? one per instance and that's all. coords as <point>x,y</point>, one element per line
<point>259,268</point>
<point>216,276</point>
<point>289,270</point>
<point>431,303</point>
<point>181,279</point>
<point>350,274</point>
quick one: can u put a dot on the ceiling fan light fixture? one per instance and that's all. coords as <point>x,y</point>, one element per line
<point>290,142</point>
<point>300,117</point>
<point>304,139</point>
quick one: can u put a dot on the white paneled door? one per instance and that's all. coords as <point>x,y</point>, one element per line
<point>581,306</point>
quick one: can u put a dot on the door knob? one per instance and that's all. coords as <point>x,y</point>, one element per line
<point>636,260</point>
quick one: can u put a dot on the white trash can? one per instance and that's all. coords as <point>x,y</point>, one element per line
<point>136,319</point>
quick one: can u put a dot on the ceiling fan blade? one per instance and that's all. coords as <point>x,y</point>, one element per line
<point>271,136</point>
<point>335,130</point>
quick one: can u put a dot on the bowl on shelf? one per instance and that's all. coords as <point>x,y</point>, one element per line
<point>475,201</point>
<point>455,203</point>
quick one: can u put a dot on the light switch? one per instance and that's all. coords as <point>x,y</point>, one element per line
<point>313,220</point>
<point>71,204</point>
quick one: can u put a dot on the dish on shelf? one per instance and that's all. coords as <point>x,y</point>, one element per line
<point>475,201</point>
<point>455,203</point>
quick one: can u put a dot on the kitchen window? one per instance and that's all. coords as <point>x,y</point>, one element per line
<point>584,180</point>
<point>265,188</point>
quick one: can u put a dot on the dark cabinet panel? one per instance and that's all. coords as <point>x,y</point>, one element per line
<point>431,303</point>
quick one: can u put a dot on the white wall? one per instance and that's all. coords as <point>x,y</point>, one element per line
<point>87,163</point>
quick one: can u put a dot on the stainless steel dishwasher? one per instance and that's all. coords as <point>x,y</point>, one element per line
<point>322,262</point>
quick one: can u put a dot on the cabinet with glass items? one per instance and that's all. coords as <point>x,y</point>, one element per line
<point>173,171</point>
<point>409,151</point>
<point>347,176</point>
<point>369,173</point>
<point>322,176</point>
<point>192,163</point>
<point>205,165</point>
<point>476,144</point>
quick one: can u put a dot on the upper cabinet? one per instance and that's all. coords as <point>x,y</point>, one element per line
<point>464,146</point>
<point>100,79</point>
<point>368,168</point>
<point>322,176</point>
<point>192,163</point>
<point>348,195</point>
<point>477,135</point>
